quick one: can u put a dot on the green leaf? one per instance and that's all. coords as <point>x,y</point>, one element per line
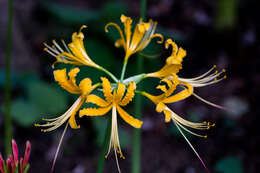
<point>67,14</point>
<point>229,164</point>
<point>47,98</point>
<point>24,113</point>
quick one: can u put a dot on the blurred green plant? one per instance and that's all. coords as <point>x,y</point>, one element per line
<point>226,14</point>
<point>229,164</point>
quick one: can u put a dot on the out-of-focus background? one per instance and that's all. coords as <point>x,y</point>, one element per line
<point>221,32</point>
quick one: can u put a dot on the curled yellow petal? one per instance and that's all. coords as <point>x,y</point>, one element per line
<point>72,76</point>
<point>119,30</point>
<point>160,107</point>
<point>128,118</point>
<point>107,90</point>
<point>61,77</point>
<point>72,121</point>
<point>96,100</point>
<point>180,95</point>
<point>120,92</point>
<point>129,94</point>
<point>94,111</point>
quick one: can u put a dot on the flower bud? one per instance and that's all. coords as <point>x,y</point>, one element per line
<point>15,151</point>
<point>27,153</point>
<point>10,164</point>
<point>1,164</point>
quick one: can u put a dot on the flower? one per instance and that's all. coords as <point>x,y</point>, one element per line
<point>74,53</point>
<point>143,34</point>
<point>83,89</point>
<point>12,163</point>
<point>169,96</point>
<point>114,99</point>
<point>173,63</point>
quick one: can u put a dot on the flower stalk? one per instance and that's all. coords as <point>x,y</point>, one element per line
<point>136,158</point>
<point>8,123</point>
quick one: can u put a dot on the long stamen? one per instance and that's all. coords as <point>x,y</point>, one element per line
<point>204,165</point>
<point>58,148</point>
<point>55,43</point>
<point>211,104</point>
<point>66,47</point>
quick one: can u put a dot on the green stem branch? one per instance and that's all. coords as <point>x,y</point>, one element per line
<point>8,123</point>
<point>123,70</point>
<point>109,74</point>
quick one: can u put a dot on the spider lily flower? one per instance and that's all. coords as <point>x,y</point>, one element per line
<point>83,89</point>
<point>181,123</point>
<point>74,53</point>
<point>173,66</point>
<point>169,96</point>
<point>144,32</point>
<point>114,99</point>
<point>173,62</point>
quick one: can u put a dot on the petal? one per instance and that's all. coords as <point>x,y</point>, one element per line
<point>72,76</point>
<point>154,99</point>
<point>138,35</point>
<point>177,54</point>
<point>180,95</point>
<point>107,90</point>
<point>120,92</point>
<point>94,111</point>
<point>119,30</point>
<point>85,86</point>
<point>127,21</point>
<point>61,77</point>
<point>72,120</point>
<point>128,118</point>
<point>96,100</point>
<point>129,94</point>
<point>160,107</point>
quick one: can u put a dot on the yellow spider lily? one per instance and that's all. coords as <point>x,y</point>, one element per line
<point>83,89</point>
<point>143,34</point>
<point>169,97</point>
<point>173,62</point>
<point>114,99</point>
<point>74,53</point>
<point>173,66</point>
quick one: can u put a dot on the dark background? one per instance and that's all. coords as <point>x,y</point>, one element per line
<point>221,32</point>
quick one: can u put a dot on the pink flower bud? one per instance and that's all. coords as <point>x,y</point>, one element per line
<point>27,153</point>
<point>1,164</point>
<point>10,164</point>
<point>15,151</point>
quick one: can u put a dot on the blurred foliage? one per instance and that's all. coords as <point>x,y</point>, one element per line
<point>226,15</point>
<point>229,164</point>
<point>34,98</point>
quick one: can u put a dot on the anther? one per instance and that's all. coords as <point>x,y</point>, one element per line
<point>224,70</point>
<point>36,125</point>
<point>45,49</point>
<point>225,77</point>
<point>205,136</point>
<point>214,66</point>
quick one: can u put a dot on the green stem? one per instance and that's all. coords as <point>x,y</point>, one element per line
<point>101,160</point>
<point>123,70</point>
<point>136,159</point>
<point>8,128</point>
<point>109,74</point>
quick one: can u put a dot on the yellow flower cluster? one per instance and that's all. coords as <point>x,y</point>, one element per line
<point>120,93</point>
